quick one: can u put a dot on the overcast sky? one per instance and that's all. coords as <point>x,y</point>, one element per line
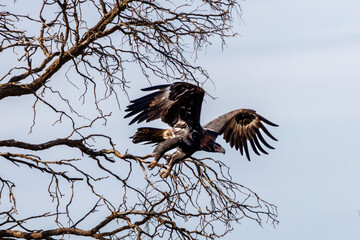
<point>298,64</point>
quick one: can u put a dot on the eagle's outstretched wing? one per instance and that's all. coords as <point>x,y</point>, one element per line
<point>173,103</point>
<point>240,127</point>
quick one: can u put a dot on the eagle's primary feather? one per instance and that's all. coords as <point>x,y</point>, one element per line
<point>179,105</point>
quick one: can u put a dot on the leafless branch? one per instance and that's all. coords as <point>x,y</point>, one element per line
<point>72,62</point>
<point>200,191</point>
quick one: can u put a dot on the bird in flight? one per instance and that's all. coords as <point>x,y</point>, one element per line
<point>179,105</point>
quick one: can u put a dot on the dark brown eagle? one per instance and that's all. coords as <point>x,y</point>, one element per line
<point>179,105</point>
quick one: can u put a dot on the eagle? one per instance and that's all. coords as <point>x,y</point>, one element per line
<point>179,105</point>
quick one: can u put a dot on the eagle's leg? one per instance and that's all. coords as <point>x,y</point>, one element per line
<point>175,158</point>
<point>162,148</point>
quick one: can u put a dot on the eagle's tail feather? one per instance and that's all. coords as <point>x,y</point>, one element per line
<point>150,135</point>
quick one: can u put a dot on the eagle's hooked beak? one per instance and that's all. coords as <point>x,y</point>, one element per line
<point>219,148</point>
<point>222,150</point>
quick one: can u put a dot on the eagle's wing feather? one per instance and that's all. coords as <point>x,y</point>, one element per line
<point>240,127</point>
<point>173,103</point>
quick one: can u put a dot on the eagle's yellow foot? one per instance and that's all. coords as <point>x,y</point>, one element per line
<point>165,173</point>
<point>153,164</point>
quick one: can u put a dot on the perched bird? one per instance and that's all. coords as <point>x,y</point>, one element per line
<point>179,105</point>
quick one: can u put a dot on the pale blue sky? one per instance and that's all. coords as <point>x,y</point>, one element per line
<point>298,64</point>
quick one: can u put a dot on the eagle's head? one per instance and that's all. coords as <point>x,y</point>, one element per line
<point>208,143</point>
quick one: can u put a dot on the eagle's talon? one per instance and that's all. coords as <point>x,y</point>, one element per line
<point>153,164</point>
<point>164,174</point>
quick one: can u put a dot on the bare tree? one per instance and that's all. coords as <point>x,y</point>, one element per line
<point>60,52</point>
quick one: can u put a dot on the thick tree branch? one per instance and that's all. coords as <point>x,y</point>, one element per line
<point>79,143</point>
<point>96,32</point>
